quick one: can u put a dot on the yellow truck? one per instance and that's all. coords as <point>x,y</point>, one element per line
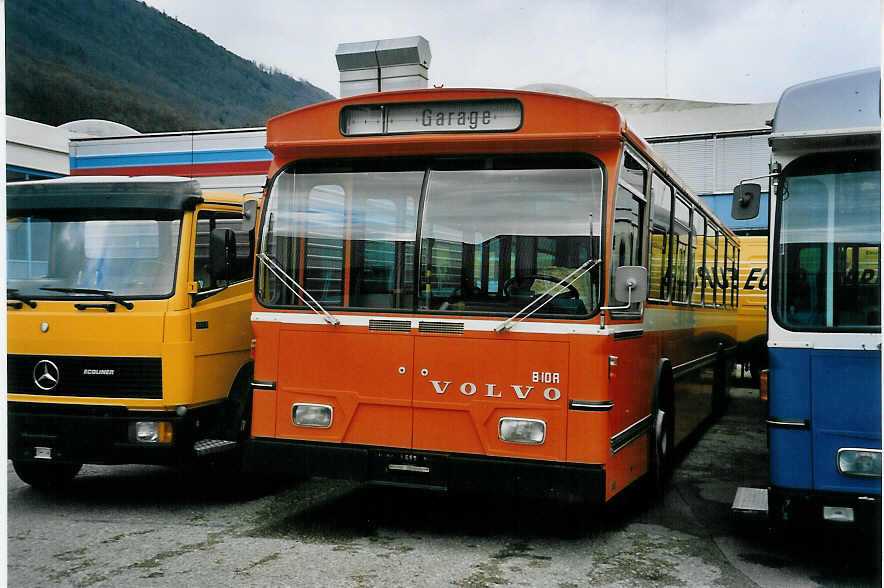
<point>752,312</point>
<point>128,323</point>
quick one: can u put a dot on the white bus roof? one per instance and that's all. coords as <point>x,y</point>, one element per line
<point>844,104</point>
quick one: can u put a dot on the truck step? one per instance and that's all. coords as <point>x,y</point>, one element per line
<point>751,501</point>
<point>208,446</point>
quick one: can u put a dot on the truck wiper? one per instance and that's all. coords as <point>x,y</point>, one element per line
<point>545,297</point>
<point>290,283</point>
<point>106,294</point>
<point>12,294</point>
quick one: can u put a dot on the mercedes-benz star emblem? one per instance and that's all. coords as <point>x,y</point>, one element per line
<point>46,375</point>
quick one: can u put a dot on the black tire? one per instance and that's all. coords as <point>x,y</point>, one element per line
<point>46,476</point>
<point>662,434</point>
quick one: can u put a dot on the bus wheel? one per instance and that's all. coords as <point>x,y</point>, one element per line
<point>663,439</point>
<point>46,476</point>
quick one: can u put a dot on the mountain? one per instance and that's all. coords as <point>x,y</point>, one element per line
<point>124,61</point>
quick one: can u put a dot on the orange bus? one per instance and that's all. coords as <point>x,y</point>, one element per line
<point>453,292</point>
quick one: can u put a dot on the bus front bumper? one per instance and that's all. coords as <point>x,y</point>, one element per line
<point>563,482</point>
<point>804,508</point>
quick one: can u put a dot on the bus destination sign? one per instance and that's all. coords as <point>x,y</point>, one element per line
<point>464,116</point>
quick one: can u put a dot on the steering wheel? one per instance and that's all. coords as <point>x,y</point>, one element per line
<point>570,293</point>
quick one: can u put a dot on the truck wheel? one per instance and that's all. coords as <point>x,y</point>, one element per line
<point>46,476</point>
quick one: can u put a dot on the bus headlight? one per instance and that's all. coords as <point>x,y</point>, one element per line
<point>312,415</point>
<point>526,431</point>
<point>150,432</point>
<point>864,463</point>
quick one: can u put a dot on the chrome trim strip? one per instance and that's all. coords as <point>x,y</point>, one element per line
<point>788,423</point>
<point>630,434</point>
<point>260,385</point>
<point>621,335</point>
<point>401,467</point>
<point>694,364</point>
<point>591,405</point>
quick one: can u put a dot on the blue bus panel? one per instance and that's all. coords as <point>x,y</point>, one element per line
<point>838,394</point>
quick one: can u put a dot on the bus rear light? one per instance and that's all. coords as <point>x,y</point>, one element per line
<point>150,432</point>
<point>860,463</point>
<point>312,415</point>
<point>764,383</point>
<point>525,431</point>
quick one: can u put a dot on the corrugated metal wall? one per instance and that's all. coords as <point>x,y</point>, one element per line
<point>715,165</point>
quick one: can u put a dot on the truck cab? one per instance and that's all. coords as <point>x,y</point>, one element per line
<point>128,323</point>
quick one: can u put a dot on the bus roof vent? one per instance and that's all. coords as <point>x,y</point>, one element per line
<point>383,65</point>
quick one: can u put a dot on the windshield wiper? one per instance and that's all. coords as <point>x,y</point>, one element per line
<point>290,283</point>
<point>12,294</point>
<point>106,294</point>
<point>545,297</point>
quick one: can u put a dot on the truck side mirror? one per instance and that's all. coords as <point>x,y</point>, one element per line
<point>249,215</point>
<point>747,198</point>
<point>222,252</point>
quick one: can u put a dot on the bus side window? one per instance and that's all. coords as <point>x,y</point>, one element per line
<point>627,233</point>
<point>710,291</point>
<point>659,271</point>
<point>681,254</point>
<point>698,251</point>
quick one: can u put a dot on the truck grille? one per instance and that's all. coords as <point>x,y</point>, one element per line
<point>94,377</point>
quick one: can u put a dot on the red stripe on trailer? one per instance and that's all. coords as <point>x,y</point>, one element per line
<point>244,168</point>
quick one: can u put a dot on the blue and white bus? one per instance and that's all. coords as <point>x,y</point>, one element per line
<point>824,317</point>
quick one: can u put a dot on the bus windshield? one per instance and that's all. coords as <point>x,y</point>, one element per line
<point>828,268</point>
<point>132,257</point>
<point>471,235</point>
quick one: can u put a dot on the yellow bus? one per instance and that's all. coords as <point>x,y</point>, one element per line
<point>128,323</point>
<point>752,313</point>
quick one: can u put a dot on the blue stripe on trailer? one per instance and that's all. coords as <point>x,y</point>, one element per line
<point>169,158</point>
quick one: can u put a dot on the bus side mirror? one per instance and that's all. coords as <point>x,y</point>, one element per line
<point>631,283</point>
<point>222,252</point>
<point>249,215</point>
<point>747,198</point>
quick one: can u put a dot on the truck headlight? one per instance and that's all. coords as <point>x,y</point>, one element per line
<point>150,432</point>
<point>312,415</point>
<point>526,431</point>
<point>863,463</point>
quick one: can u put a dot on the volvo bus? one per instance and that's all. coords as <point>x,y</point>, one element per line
<point>824,318</point>
<point>483,290</point>
<point>128,323</point>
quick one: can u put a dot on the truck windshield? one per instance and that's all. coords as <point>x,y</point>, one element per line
<point>827,275</point>
<point>463,236</point>
<point>132,257</point>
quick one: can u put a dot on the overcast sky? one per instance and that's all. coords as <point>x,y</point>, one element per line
<point>718,50</point>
